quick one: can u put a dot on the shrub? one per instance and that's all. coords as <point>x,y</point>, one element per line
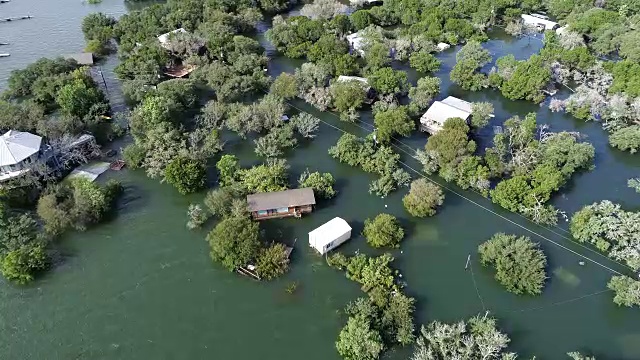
<point>627,291</point>
<point>423,198</point>
<point>519,263</point>
<point>322,184</point>
<point>234,242</point>
<point>272,261</point>
<point>187,175</point>
<point>384,230</point>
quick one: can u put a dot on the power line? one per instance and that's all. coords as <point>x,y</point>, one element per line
<point>561,302</point>
<point>419,173</point>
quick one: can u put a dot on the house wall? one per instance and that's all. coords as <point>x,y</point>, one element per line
<point>280,213</point>
<point>325,248</point>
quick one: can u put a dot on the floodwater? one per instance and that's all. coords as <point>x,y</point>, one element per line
<point>143,287</point>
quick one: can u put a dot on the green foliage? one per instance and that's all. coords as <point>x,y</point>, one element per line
<point>480,114</point>
<point>187,175</point>
<point>469,60</point>
<point>197,216</point>
<point>381,160</point>
<point>328,47</point>
<point>76,204</point>
<point>423,93</point>
<point>519,263</point>
<point>272,262</point>
<point>273,144</point>
<point>634,184</point>
<point>388,81</point>
<point>528,80</point>
<point>371,272</point>
<point>22,253</point>
<point>76,99</point>
<point>626,139</point>
<point>322,184</point>
<point>234,242</point>
<point>348,96</point>
<point>391,122</point>
<point>228,169</point>
<point>224,201</point>
<point>21,82</point>
<point>465,339</point>
<point>626,78</point>
<point>284,86</point>
<point>266,177</point>
<point>133,155</point>
<point>361,19</point>
<point>98,31</point>
<point>424,62</point>
<point>383,231</point>
<point>423,198</point>
<point>295,35</point>
<point>610,229</point>
<point>357,341</point>
<point>627,290</point>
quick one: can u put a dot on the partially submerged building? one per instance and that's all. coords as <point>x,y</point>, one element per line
<point>330,235</point>
<point>278,204</point>
<point>356,43</point>
<point>21,151</point>
<point>451,107</point>
<point>442,46</point>
<point>370,92</point>
<point>18,150</point>
<point>166,37</point>
<point>541,22</point>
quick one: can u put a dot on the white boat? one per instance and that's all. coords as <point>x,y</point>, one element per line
<point>4,55</point>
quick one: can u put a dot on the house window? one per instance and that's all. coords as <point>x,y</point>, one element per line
<point>329,245</point>
<point>282,210</point>
<point>262,213</point>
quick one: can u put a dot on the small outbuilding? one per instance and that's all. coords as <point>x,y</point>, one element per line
<point>451,107</point>
<point>279,204</point>
<point>164,38</point>
<point>330,235</point>
<point>442,46</point>
<point>541,22</point>
<point>85,58</point>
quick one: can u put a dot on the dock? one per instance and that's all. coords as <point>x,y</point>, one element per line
<point>117,165</point>
<point>16,18</point>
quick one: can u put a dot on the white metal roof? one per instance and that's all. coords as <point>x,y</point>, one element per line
<point>16,146</point>
<point>342,78</point>
<point>443,46</point>
<point>537,21</point>
<point>458,104</point>
<point>90,171</point>
<point>164,38</point>
<point>329,231</point>
<point>356,41</point>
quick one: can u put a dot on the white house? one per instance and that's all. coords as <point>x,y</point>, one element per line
<point>17,150</point>
<point>433,120</point>
<point>539,21</point>
<point>164,38</point>
<point>356,42</point>
<point>330,235</point>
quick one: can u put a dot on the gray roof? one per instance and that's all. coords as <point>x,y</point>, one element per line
<point>16,146</point>
<point>281,199</point>
<point>82,58</point>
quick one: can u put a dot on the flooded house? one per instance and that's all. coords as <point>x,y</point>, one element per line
<point>279,204</point>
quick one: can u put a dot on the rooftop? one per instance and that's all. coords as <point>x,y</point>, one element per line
<point>164,38</point>
<point>85,58</point>
<point>15,146</point>
<point>538,21</point>
<point>281,199</point>
<point>329,231</point>
<point>448,108</point>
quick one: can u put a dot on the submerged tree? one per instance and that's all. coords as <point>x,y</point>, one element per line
<point>234,242</point>
<point>383,231</point>
<point>477,338</point>
<point>627,290</point>
<point>423,198</point>
<point>519,263</point>
<point>322,184</point>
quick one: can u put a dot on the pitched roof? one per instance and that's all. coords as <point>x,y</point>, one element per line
<point>16,146</point>
<point>281,199</point>
<point>328,232</point>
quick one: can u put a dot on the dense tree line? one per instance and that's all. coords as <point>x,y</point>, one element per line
<point>380,321</point>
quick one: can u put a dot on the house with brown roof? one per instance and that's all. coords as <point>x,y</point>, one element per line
<point>279,204</point>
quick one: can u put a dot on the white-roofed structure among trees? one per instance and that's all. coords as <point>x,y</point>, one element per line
<point>330,235</point>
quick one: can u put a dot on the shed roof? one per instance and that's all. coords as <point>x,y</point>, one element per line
<point>85,58</point>
<point>538,21</point>
<point>281,199</point>
<point>16,146</point>
<point>164,38</point>
<point>329,231</point>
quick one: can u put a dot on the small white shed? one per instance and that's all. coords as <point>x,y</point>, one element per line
<point>330,235</point>
<point>442,46</point>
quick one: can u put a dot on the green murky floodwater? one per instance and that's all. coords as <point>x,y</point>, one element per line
<point>143,287</point>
